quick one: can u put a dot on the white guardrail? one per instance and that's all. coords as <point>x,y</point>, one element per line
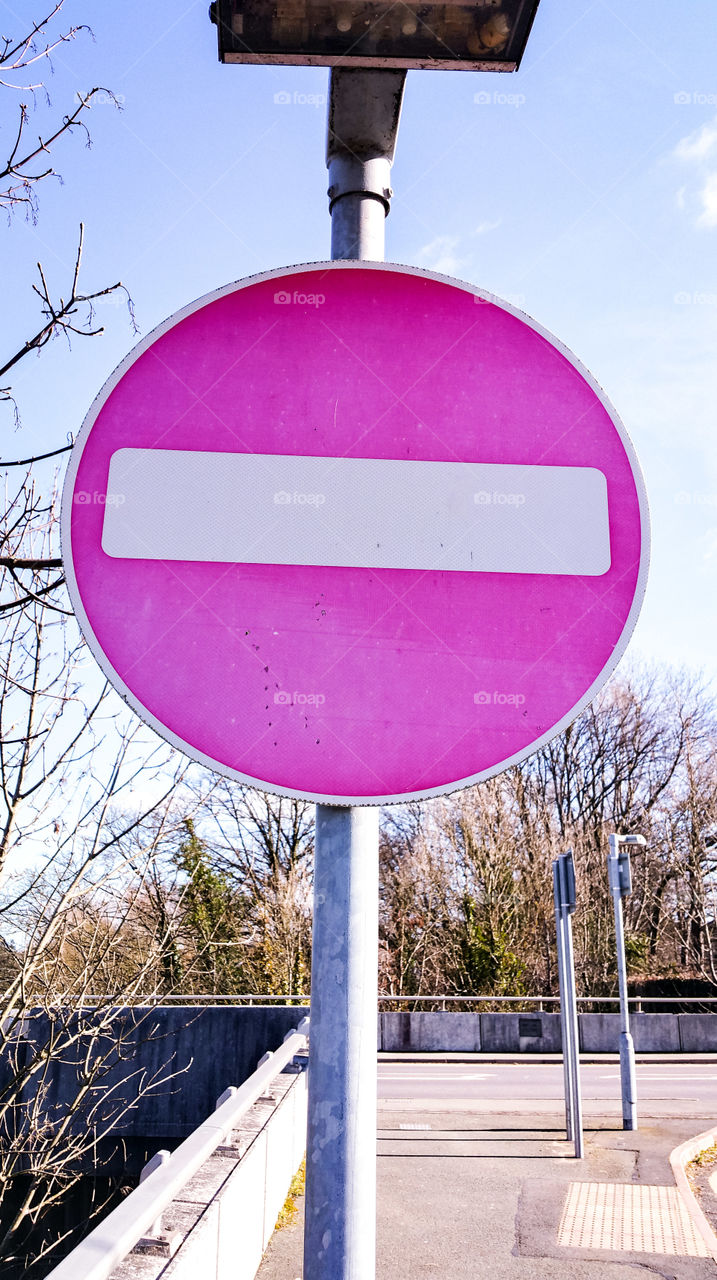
<point>109,1243</point>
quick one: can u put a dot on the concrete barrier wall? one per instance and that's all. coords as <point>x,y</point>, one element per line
<point>187,1054</point>
<point>429,1032</point>
<point>469,1032</point>
<point>651,1032</point>
<point>698,1032</point>
<point>540,1032</point>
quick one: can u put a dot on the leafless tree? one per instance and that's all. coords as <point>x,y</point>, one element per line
<point>467,884</point>
<point>24,55</point>
<point>88,801</point>
<point>80,779</point>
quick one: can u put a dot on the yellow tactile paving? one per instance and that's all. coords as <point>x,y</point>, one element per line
<point>628,1218</point>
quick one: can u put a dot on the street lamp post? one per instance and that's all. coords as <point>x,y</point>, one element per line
<point>620,880</point>
<point>340,1217</point>
<point>369,47</point>
<point>565,902</point>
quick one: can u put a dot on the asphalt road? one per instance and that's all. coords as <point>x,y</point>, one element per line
<point>474,1171</point>
<point>670,1088</point>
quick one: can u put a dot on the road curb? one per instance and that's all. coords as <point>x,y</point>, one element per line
<point>679,1160</point>
<point>586,1059</point>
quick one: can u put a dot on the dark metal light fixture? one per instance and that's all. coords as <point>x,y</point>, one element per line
<point>463,35</point>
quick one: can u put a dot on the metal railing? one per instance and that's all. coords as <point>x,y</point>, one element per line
<point>188,998</point>
<point>299,1001</point>
<point>636,1002</point>
<point>109,1243</point>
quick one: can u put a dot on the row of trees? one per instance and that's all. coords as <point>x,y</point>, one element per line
<point>205,888</point>
<point>467,881</point>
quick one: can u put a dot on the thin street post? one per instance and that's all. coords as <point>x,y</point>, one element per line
<point>340,1223</point>
<point>620,881</point>
<point>564,1025</point>
<point>564,884</point>
<point>572,1014</point>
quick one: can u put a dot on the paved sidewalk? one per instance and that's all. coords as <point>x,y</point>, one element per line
<point>464,1195</point>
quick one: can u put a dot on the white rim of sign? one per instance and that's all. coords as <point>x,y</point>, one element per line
<point>260,783</point>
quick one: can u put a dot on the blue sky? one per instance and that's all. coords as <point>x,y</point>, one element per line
<point>583,189</point>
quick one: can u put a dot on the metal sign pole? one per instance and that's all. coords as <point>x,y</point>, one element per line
<point>627,1048</point>
<point>572,1016</point>
<point>340,1224</point>
<point>564,890</point>
<point>564,1025</point>
<point>340,1229</point>
<point>618,866</point>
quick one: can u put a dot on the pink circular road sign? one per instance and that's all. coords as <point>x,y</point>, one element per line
<point>354,532</point>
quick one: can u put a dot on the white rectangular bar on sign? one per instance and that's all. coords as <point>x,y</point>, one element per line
<point>245,508</point>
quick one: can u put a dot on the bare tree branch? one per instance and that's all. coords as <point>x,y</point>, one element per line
<point>60,315</point>
<point>39,457</point>
<point>17,179</point>
<point>24,52</point>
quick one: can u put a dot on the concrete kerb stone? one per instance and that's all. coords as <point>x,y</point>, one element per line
<point>679,1160</point>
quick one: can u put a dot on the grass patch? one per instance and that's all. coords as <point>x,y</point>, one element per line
<point>698,1169</point>
<point>708,1156</point>
<point>289,1211</point>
